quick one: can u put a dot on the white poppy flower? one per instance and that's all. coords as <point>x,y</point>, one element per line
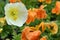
<point>16,13</point>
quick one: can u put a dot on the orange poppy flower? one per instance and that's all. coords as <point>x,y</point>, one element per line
<point>41,0</point>
<point>31,16</point>
<point>12,1</point>
<point>34,13</point>
<point>53,27</point>
<point>41,14</point>
<point>24,32</point>
<point>56,10</point>
<point>42,6</point>
<point>48,1</point>
<point>42,26</point>
<point>43,38</point>
<point>28,34</point>
<point>58,4</point>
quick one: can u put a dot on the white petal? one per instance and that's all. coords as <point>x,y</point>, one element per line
<point>8,21</point>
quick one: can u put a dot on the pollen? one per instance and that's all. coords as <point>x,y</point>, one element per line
<point>13,13</point>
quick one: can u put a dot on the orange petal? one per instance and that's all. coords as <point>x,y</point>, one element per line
<point>42,6</point>
<point>43,26</point>
<point>48,1</point>
<point>57,8</point>
<point>54,10</point>
<point>43,38</point>
<point>29,20</point>
<point>41,13</point>
<point>55,28</point>
<point>27,33</point>
<point>24,32</point>
<point>41,0</point>
<point>12,1</point>
<point>58,4</point>
<point>31,16</point>
<point>34,35</point>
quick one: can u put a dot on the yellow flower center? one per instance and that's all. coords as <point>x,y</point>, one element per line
<point>13,13</point>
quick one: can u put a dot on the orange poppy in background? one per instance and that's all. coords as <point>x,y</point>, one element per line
<point>42,26</point>
<point>56,10</point>
<point>31,16</point>
<point>13,1</point>
<point>34,13</point>
<point>48,1</point>
<point>58,4</point>
<point>41,14</point>
<point>41,0</point>
<point>28,34</point>
<point>54,27</point>
<point>43,38</point>
<point>42,6</point>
